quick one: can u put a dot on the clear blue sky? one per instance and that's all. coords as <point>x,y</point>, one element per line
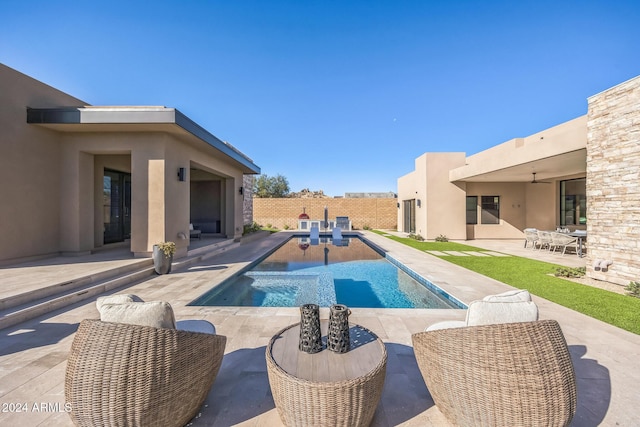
<point>334,95</point>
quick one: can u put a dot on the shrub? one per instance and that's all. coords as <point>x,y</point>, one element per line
<point>633,289</point>
<point>250,228</point>
<point>366,227</point>
<point>286,227</point>
<point>168,248</point>
<point>570,272</point>
<point>416,237</point>
<point>442,238</point>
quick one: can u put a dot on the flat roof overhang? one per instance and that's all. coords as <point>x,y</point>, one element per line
<point>566,164</point>
<point>552,153</point>
<point>136,119</point>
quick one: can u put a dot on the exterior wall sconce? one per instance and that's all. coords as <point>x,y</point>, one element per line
<point>398,205</point>
<point>182,174</point>
<point>241,190</point>
<point>418,202</point>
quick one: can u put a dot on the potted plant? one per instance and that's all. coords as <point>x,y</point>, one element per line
<point>163,256</point>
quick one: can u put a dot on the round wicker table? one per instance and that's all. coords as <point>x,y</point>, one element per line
<point>326,388</point>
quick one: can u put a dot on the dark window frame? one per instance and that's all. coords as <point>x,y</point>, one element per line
<point>473,212</point>
<point>573,206</point>
<point>490,210</point>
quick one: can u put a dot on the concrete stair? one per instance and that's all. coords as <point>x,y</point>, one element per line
<point>28,305</point>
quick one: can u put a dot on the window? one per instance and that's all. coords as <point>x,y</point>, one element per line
<point>472,209</point>
<point>573,202</point>
<point>490,210</point>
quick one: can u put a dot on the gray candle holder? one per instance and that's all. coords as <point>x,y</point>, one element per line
<point>310,334</point>
<point>338,339</point>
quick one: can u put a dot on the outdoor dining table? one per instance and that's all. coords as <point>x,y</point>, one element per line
<point>581,236</point>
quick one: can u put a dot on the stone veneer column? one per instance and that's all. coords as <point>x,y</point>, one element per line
<point>247,204</point>
<point>613,182</point>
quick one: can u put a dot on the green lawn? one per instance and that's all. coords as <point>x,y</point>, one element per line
<point>622,311</point>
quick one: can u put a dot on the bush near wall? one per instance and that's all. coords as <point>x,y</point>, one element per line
<point>363,212</point>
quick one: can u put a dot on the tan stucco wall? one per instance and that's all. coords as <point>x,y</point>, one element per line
<point>54,201</point>
<point>557,140</point>
<point>154,161</point>
<point>445,201</point>
<point>30,167</point>
<point>445,179</point>
<point>613,183</point>
<point>512,209</point>
<point>541,206</point>
<point>181,155</point>
<point>442,203</point>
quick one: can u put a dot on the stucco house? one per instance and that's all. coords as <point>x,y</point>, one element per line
<point>77,177</point>
<point>581,174</point>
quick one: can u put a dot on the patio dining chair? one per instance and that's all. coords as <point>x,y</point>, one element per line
<point>544,240</point>
<point>564,241</point>
<point>530,237</point>
<point>508,374</point>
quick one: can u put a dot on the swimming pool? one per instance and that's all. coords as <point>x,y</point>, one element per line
<point>324,272</point>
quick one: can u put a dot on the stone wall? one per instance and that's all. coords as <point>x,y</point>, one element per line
<point>374,213</point>
<point>613,183</point>
<point>247,202</point>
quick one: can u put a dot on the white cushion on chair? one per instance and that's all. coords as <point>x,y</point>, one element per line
<point>489,313</point>
<point>116,299</point>
<point>201,326</point>
<point>510,296</point>
<point>447,324</point>
<point>157,314</point>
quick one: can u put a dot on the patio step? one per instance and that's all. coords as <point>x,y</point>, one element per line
<point>72,292</point>
<point>205,252</point>
<point>28,305</point>
<point>64,286</point>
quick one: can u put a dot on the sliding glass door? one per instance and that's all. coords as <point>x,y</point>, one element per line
<point>409,211</point>
<point>573,202</point>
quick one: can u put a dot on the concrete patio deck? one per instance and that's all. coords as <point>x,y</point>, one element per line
<point>33,354</point>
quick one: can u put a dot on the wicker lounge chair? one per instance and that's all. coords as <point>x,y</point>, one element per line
<point>122,374</point>
<point>512,374</point>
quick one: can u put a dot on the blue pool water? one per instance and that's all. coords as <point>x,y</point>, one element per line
<point>350,273</point>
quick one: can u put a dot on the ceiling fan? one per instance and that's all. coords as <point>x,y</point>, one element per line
<point>538,182</point>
